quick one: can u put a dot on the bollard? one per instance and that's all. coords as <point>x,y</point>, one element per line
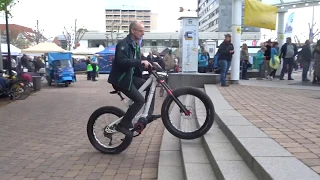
<point>36,80</point>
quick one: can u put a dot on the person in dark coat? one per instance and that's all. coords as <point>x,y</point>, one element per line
<point>305,56</point>
<point>126,76</point>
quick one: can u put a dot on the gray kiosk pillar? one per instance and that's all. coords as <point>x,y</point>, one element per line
<point>189,46</point>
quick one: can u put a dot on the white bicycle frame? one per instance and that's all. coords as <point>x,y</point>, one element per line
<point>151,80</point>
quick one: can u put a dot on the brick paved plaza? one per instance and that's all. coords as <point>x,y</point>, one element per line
<point>44,137</point>
<point>291,117</point>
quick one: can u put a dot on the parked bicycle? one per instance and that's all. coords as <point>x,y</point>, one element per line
<point>109,133</point>
<point>15,89</point>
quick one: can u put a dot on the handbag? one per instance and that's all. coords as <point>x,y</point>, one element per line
<point>274,62</point>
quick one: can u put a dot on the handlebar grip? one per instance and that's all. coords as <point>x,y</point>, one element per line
<point>150,68</point>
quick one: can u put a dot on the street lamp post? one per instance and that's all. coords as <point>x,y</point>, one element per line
<point>8,43</point>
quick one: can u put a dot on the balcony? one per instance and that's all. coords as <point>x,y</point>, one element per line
<point>140,18</point>
<point>140,13</point>
<point>116,12</point>
<point>132,12</point>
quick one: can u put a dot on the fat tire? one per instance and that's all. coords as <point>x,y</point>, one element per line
<point>205,100</point>
<point>94,116</point>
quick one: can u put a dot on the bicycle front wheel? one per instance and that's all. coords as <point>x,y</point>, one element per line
<point>20,89</point>
<point>197,123</point>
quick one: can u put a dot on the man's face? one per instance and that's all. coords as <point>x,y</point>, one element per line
<point>228,38</point>
<point>308,43</point>
<point>138,31</point>
<point>288,40</point>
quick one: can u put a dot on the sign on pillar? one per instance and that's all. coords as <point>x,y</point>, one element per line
<point>188,44</point>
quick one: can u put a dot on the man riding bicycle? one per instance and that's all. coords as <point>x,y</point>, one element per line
<point>126,76</point>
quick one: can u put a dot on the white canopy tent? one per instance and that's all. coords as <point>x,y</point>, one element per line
<point>87,51</point>
<point>43,48</point>
<point>13,50</point>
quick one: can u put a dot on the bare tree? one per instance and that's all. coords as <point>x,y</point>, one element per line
<point>114,34</point>
<point>74,35</point>
<point>37,36</point>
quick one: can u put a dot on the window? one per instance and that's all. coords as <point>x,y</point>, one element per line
<point>154,43</point>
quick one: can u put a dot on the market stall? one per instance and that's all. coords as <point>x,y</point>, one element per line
<point>14,51</point>
<point>105,59</point>
<point>43,48</point>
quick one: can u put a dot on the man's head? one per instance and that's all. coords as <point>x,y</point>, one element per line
<point>136,29</point>
<point>269,42</point>
<point>227,37</point>
<point>307,43</point>
<point>170,51</point>
<point>150,53</point>
<point>202,48</point>
<point>288,40</point>
<point>275,44</point>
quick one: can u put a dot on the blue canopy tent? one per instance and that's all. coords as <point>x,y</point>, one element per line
<point>105,59</point>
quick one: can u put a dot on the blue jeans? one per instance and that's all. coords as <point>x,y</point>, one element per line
<point>224,68</point>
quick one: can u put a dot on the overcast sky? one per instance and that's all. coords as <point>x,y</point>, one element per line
<point>53,15</point>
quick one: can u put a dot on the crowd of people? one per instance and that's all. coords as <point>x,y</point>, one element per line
<point>269,59</point>
<point>168,62</point>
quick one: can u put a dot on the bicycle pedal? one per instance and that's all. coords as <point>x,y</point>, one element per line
<point>136,134</point>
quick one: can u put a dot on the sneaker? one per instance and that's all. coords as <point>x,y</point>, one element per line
<point>290,79</point>
<point>125,130</point>
<point>224,85</point>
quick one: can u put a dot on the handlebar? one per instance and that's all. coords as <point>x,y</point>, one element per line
<point>152,68</point>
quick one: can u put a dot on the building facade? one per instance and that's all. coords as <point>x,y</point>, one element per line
<point>118,20</point>
<point>216,16</point>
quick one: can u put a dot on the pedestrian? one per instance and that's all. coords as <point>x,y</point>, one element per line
<point>94,63</point>
<point>203,61</point>
<point>89,68</point>
<point>267,54</point>
<point>226,50</point>
<point>274,61</point>
<point>304,57</point>
<point>288,52</point>
<point>316,55</point>
<point>244,58</point>
<point>260,59</point>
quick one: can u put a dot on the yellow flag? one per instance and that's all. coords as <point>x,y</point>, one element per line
<point>258,14</point>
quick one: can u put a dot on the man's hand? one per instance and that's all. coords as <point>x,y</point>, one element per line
<point>146,64</point>
<point>157,64</point>
<point>232,51</point>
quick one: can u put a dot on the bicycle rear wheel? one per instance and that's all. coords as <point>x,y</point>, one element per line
<point>196,97</point>
<point>106,144</point>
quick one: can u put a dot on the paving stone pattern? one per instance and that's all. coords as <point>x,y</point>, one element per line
<point>289,116</point>
<point>44,137</point>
